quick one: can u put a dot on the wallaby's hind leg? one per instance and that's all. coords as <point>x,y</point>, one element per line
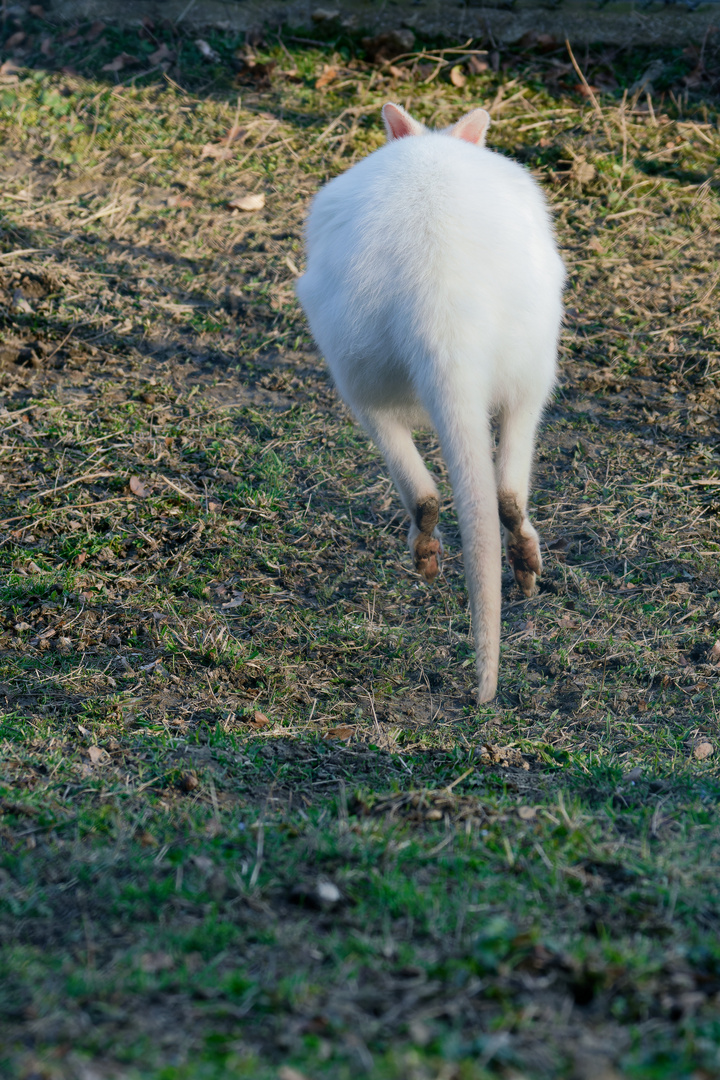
<point>513,465</point>
<point>415,486</point>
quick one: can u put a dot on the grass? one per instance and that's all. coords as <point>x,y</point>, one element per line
<point>253,820</point>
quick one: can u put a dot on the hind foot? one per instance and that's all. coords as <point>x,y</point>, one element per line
<point>523,552</point>
<point>522,544</point>
<point>424,539</point>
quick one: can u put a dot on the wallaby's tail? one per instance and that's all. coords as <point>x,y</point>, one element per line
<point>463,427</point>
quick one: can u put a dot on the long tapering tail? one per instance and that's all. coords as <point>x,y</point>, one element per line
<point>464,431</point>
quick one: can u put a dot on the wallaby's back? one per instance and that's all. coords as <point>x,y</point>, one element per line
<point>432,247</point>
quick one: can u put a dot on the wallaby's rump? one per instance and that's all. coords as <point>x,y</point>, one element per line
<point>433,288</point>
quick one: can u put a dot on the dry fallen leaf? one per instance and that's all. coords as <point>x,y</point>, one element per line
<point>527,813</point>
<point>162,55</point>
<point>714,656</point>
<point>138,488</point>
<point>121,61</point>
<point>257,720</point>
<point>219,151</point>
<point>582,171</point>
<point>237,601</point>
<point>247,202</point>
<point>9,69</point>
<point>188,782</point>
<point>179,201</point>
<point>328,892</point>
<point>456,76</point>
<point>703,750</point>
<point>15,39</point>
<point>475,65</point>
<point>97,755</point>
<point>37,10</point>
<point>581,88</point>
<point>325,15</point>
<point>326,76</point>
<point>206,50</point>
<point>343,732</point>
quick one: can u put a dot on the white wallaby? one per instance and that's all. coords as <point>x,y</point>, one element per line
<point>433,288</point>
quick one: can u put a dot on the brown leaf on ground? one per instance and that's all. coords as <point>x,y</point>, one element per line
<point>703,750</point>
<point>258,720</point>
<point>582,171</point>
<point>206,50</point>
<point>476,65</point>
<point>9,71</point>
<point>218,151</point>
<point>121,61</point>
<point>37,10</point>
<point>178,201</point>
<point>343,732</point>
<point>527,813</point>
<point>163,55</point>
<point>247,202</point>
<point>580,88</point>
<point>326,76</point>
<point>138,488</point>
<point>97,755</point>
<point>714,656</point>
<point>188,782</point>
<point>15,39</point>
<point>456,76</point>
<point>320,15</point>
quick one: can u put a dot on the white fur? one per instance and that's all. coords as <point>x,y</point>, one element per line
<point>433,288</point>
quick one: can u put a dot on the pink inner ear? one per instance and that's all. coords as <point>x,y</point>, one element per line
<point>472,128</point>
<point>397,122</point>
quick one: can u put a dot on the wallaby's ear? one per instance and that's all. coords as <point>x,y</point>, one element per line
<point>473,127</point>
<point>398,123</point>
